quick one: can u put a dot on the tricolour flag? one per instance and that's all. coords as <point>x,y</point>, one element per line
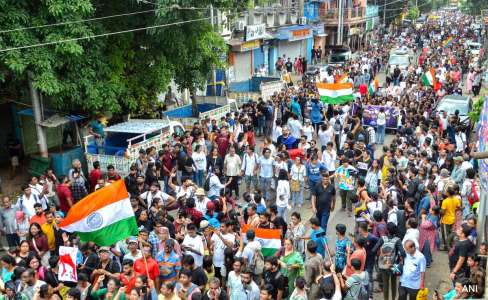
<point>373,87</point>
<point>103,217</point>
<point>428,78</point>
<point>270,239</point>
<point>335,93</point>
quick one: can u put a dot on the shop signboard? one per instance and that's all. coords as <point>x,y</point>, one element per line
<point>269,88</point>
<point>250,45</point>
<point>255,32</point>
<point>300,34</point>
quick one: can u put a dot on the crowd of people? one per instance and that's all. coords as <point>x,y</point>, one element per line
<point>256,169</point>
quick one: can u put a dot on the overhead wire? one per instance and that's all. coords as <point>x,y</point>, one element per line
<point>100,35</point>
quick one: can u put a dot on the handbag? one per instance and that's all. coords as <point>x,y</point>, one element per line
<point>423,294</point>
<point>294,185</point>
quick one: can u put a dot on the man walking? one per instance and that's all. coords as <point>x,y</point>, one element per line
<point>412,279</point>
<point>323,200</point>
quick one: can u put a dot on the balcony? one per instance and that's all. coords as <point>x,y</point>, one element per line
<point>352,16</point>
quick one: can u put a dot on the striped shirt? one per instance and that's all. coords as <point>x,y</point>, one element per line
<point>168,266</point>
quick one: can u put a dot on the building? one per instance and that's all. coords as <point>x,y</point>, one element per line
<point>354,22</point>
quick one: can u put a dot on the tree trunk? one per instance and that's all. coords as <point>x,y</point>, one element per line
<point>36,109</point>
<point>194,109</point>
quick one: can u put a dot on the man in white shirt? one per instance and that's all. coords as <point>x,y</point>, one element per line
<point>295,127</point>
<point>155,193</point>
<point>219,242</point>
<point>232,169</point>
<point>27,200</point>
<point>249,168</point>
<point>202,200</point>
<point>193,245</point>
<point>412,234</point>
<point>329,157</point>
<point>413,275</point>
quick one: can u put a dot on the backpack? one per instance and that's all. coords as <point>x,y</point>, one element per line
<point>474,194</point>
<point>326,286</point>
<point>388,254</point>
<point>206,184</point>
<point>257,263</point>
<point>363,289</point>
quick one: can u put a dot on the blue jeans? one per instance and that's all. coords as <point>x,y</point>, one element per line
<point>260,128</point>
<point>282,212</point>
<point>297,197</point>
<point>324,219</point>
<point>427,253</point>
<point>380,134</point>
<point>265,184</point>
<point>199,177</point>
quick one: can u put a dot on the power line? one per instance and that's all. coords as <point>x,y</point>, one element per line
<point>100,35</point>
<point>77,21</point>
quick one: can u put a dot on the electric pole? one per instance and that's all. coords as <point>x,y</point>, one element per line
<point>36,109</point>
<point>214,72</point>
<point>340,20</point>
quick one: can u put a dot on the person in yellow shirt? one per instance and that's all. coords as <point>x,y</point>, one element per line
<point>168,292</point>
<point>49,229</point>
<point>448,212</point>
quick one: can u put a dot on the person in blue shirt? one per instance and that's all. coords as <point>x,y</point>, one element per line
<point>314,171</point>
<point>424,204</point>
<point>318,235</point>
<point>286,139</point>
<point>295,108</point>
<point>316,115</point>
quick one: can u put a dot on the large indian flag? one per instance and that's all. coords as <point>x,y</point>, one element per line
<point>103,217</point>
<point>373,87</point>
<point>428,78</point>
<point>270,239</point>
<point>335,93</point>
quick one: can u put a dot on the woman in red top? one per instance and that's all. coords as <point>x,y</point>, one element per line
<point>38,242</point>
<point>359,253</point>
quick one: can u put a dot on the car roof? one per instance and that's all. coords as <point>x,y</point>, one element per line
<point>455,98</point>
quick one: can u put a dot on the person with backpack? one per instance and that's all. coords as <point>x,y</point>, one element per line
<point>412,279</point>
<point>356,285</point>
<point>389,249</point>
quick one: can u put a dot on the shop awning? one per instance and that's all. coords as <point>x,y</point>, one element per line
<point>53,119</point>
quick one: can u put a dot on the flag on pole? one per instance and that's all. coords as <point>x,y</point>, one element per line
<point>103,217</point>
<point>335,93</point>
<point>428,78</point>
<point>373,87</point>
<point>270,239</point>
<point>447,41</point>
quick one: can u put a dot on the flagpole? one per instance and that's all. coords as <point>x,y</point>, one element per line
<point>144,257</point>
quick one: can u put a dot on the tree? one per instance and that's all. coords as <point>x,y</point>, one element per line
<point>120,73</point>
<point>413,13</point>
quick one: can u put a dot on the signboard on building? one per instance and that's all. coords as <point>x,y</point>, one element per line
<point>269,88</point>
<point>251,45</point>
<point>255,32</point>
<point>300,34</point>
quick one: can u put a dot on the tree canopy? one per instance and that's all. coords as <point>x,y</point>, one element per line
<point>120,73</point>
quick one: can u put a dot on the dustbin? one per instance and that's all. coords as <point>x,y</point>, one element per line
<point>38,165</point>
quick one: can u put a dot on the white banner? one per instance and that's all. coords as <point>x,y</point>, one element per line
<point>255,32</point>
<point>67,264</point>
<point>269,88</point>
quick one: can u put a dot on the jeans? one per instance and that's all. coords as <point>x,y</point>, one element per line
<point>265,184</point>
<point>380,134</point>
<point>405,293</point>
<point>389,283</point>
<point>297,197</point>
<point>282,212</point>
<point>324,219</point>
<point>12,239</point>
<point>446,230</point>
<point>199,177</point>
<point>427,253</point>
<point>371,281</point>
<point>346,199</point>
<point>260,128</point>
<point>466,207</point>
<point>251,183</point>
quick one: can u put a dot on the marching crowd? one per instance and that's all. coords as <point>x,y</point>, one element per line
<point>205,200</point>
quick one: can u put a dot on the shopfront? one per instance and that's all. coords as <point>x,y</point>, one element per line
<point>295,41</point>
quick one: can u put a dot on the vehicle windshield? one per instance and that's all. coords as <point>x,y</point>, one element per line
<point>474,47</point>
<point>399,60</point>
<point>336,57</point>
<point>450,107</point>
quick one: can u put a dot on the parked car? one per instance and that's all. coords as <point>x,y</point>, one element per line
<point>452,103</point>
<point>339,55</point>
<point>474,48</point>
<point>400,58</point>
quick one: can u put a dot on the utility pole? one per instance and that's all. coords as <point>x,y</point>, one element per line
<point>36,109</point>
<point>384,14</point>
<point>340,21</point>
<point>214,72</point>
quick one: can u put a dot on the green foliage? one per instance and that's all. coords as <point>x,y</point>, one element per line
<point>413,13</point>
<point>118,74</point>
<point>474,115</point>
<point>474,7</point>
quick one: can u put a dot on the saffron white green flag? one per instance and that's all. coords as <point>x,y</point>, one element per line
<point>103,217</point>
<point>428,78</point>
<point>335,93</point>
<point>270,239</point>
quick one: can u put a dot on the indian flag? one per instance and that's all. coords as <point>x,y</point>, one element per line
<point>428,78</point>
<point>270,239</point>
<point>103,217</point>
<point>335,93</point>
<point>373,87</point>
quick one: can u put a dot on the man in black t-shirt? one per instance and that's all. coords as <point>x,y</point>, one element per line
<point>462,249</point>
<point>289,65</point>
<point>198,276</point>
<point>278,222</point>
<point>323,200</point>
<point>273,277</point>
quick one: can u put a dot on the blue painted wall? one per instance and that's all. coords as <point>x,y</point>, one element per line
<point>258,58</point>
<point>309,49</point>
<point>272,57</point>
<point>311,10</point>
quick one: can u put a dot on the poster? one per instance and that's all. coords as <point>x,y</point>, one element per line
<point>67,264</point>
<point>269,88</point>
<point>482,144</point>
<point>370,113</point>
